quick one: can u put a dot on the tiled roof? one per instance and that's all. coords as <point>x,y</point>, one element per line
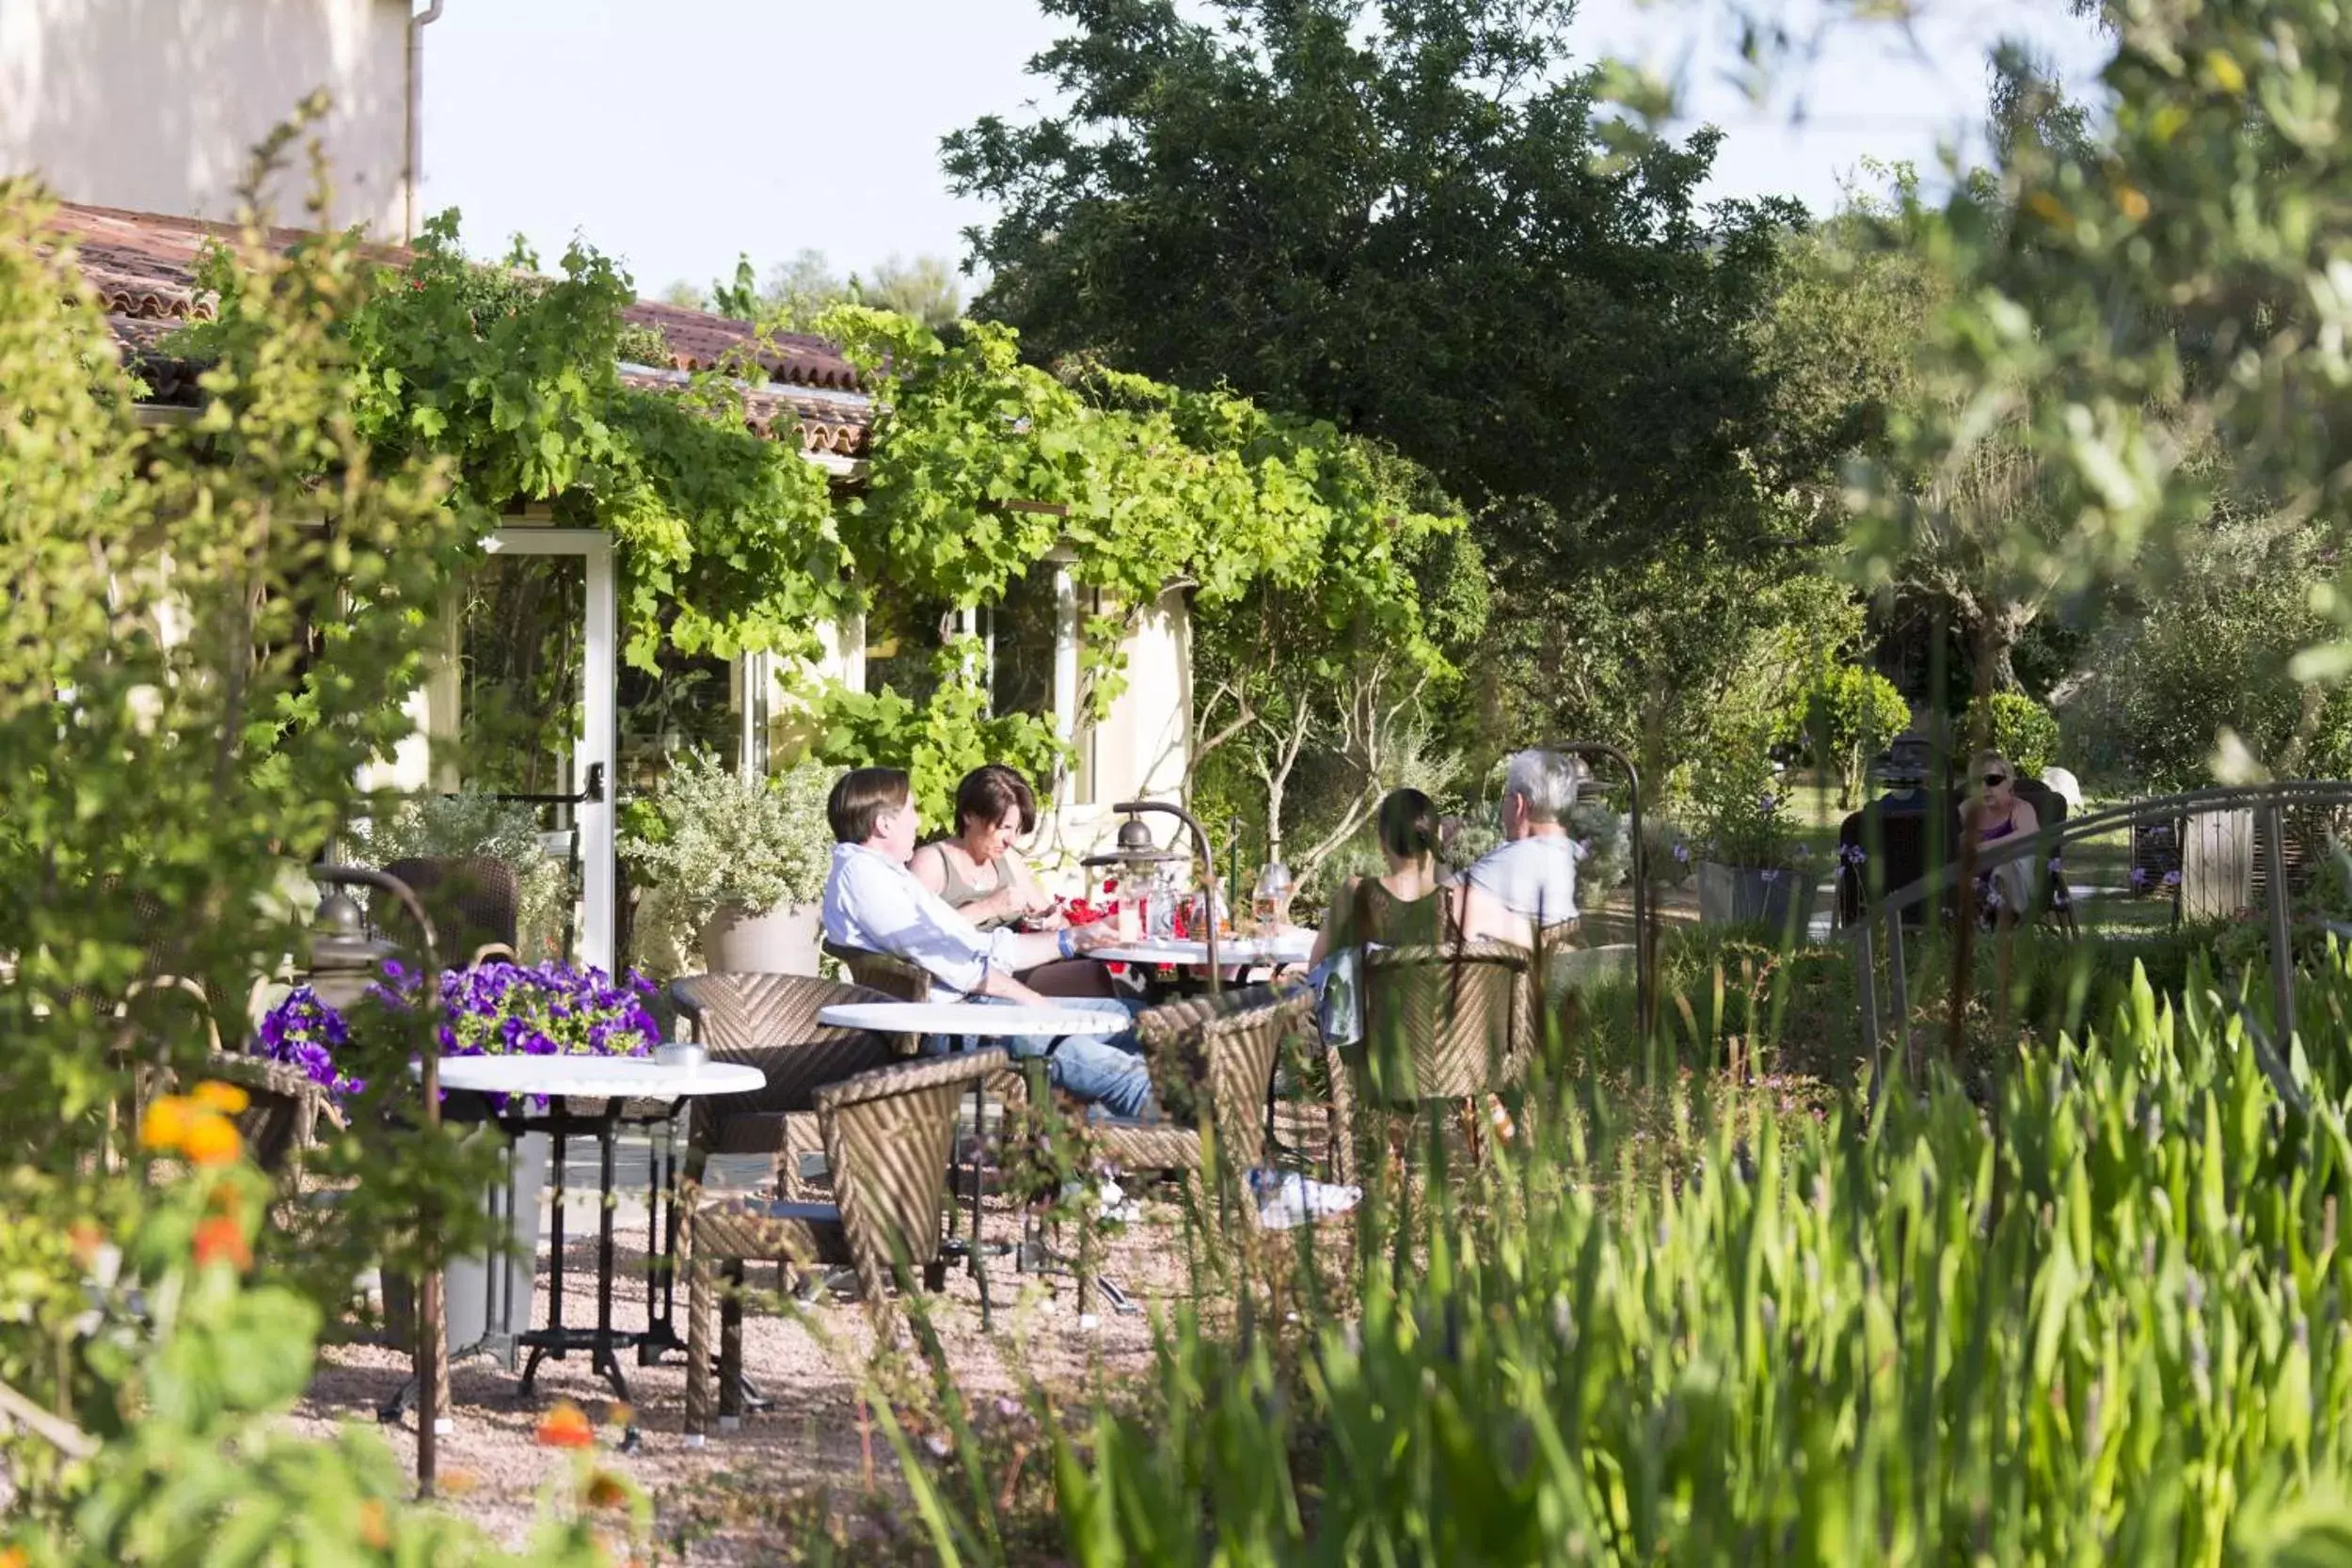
<point>143,266</point>
<point>835,423</point>
<point>699,341</point>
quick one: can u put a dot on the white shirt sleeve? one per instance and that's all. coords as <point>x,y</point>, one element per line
<point>872,904</point>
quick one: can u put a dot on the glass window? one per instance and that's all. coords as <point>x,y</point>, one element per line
<point>902,642</point>
<point>1025,633</point>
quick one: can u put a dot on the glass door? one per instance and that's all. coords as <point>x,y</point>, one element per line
<point>535,668</point>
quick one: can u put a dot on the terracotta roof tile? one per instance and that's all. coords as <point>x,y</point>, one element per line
<point>835,423</point>
<point>143,266</point>
<point>701,341</point>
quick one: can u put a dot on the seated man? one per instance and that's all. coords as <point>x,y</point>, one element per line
<point>874,902</point>
<point>1532,872</point>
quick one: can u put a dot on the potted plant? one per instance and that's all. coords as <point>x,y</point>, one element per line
<point>488,1010</point>
<point>742,861</point>
<point>1751,867</point>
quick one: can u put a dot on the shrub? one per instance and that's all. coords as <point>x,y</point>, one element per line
<point>715,838</point>
<point>1742,806</point>
<point>1849,715</point>
<point>2020,728</point>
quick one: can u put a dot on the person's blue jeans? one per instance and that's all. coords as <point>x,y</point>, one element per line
<point>1105,1069</point>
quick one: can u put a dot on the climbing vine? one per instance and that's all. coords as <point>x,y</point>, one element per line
<point>515,379</point>
<point>978,466</point>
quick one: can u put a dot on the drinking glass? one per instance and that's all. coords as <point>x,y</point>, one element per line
<point>1269,903</point>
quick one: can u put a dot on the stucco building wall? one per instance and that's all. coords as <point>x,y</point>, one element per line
<point>101,99</point>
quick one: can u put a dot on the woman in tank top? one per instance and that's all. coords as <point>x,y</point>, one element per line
<point>975,869</point>
<point>2004,892</point>
<point>1407,906</point>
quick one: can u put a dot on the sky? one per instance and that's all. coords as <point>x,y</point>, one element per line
<point>676,137</point>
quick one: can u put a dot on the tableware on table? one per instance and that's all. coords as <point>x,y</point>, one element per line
<point>1270,901</point>
<point>681,1054</point>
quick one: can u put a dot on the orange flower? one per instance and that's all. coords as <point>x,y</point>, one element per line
<point>221,1239</point>
<point>227,1099</point>
<point>13,1557</point>
<point>165,1125</point>
<point>375,1531</point>
<point>606,1490</point>
<point>565,1427</point>
<point>210,1140</point>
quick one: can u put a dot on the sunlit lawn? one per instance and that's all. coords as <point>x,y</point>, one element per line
<point>2098,867</point>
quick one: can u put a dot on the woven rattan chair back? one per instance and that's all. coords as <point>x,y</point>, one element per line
<point>473,900</point>
<point>284,1110</point>
<point>888,1134</point>
<point>896,978</point>
<point>1446,1021</point>
<point>769,1021</point>
<point>1226,1045</point>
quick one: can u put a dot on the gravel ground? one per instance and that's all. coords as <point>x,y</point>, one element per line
<point>737,1497</point>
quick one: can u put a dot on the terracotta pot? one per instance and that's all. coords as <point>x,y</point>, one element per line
<point>779,942</point>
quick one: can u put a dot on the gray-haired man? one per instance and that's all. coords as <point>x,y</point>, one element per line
<point>1532,872</point>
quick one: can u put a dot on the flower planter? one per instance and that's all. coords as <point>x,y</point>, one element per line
<point>780,942</point>
<point>1748,896</point>
<point>486,1295</point>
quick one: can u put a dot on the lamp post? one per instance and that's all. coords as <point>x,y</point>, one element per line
<point>348,959</point>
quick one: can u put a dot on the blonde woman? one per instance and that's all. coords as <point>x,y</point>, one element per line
<point>1995,814</point>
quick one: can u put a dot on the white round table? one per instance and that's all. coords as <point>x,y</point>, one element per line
<point>968,1017</point>
<point>615,1081</point>
<point>1287,948</point>
<point>597,1077</point>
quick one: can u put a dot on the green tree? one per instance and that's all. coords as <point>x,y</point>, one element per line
<point>211,627</point>
<point>1847,717</point>
<point>798,291</point>
<point>1412,219</point>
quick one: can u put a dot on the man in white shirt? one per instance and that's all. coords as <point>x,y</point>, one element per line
<point>1532,872</point>
<point>874,902</point>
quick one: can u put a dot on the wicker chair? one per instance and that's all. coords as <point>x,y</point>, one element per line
<point>896,978</point>
<point>473,900</point>
<point>769,1021</point>
<point>1227,1045</point>
<point>284,1109</point>
<point>888,1133</point>
<point>1450,1023</point>
<point>283,1112</point>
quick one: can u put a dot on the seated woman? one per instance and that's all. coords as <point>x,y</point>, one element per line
<point>1408,906</point>
<point>976,872</point>
<point>1994,812</point>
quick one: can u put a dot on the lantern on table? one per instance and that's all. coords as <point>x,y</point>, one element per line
<point>1146,896</point>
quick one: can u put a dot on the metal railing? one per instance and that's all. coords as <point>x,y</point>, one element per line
<point>2269,803</point>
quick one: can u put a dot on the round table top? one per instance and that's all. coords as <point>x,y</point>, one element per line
<point>967,1018</point>
<point>597,1077</point>
<point>1291,946</point>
